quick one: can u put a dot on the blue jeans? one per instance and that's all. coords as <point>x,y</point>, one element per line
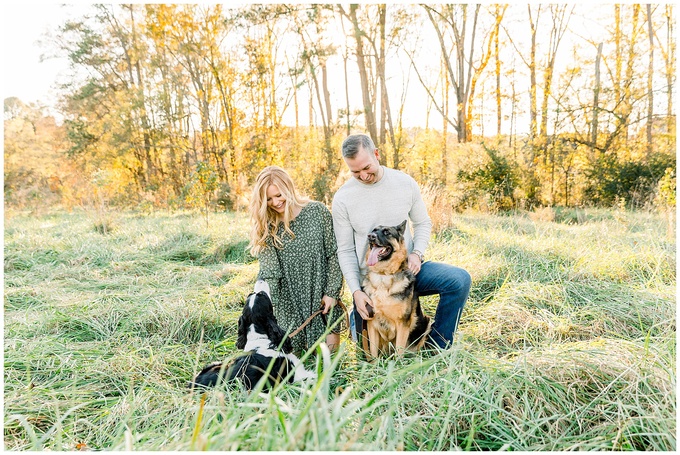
<point>453,286</point>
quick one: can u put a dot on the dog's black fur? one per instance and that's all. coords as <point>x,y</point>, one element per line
<point>269,350</point>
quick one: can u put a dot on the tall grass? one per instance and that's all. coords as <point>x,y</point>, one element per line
<point>567,342</point>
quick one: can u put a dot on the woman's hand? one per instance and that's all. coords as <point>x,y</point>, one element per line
<point>328,303</point>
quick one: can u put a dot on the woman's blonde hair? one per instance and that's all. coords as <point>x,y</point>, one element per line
<point>264,221</point>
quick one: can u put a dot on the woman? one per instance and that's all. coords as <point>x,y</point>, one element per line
<point>294,241</point>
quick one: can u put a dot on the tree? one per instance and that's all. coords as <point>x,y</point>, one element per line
<point>650,80</point>
<point>264,27</point>
<point>668,53</point>
<point>450,23</point>
<point>316,49</point>
<point>559,15</point>
<point>498,74</point>
<point>106,115</point>
<point>627,101</point>
<point>161,88</point>
<point>191,36</point>
<point>496,180</point>
<point>33,155</point>
<point>201,188</point>
<point>367,89</point>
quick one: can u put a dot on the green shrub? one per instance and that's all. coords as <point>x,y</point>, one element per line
<point>492,184</point>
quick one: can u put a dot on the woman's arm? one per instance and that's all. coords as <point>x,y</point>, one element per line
<point>333,271</point>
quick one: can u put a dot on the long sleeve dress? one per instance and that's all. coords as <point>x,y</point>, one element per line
<point>302,272</point>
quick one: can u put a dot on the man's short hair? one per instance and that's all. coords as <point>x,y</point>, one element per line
<point>352,144</point>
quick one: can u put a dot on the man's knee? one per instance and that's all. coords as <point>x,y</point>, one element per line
<point>460,281</point>
<point>441,278</point>
<point>465,280</point>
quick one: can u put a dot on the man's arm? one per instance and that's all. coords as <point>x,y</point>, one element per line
<point>422,224</point>
<point>347,256</point>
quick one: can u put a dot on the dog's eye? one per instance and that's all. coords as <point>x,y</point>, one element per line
<point>385,231</point>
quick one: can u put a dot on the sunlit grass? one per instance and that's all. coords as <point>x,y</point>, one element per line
<point>567,342</point>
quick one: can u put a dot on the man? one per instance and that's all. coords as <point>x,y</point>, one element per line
<point>378,195</point>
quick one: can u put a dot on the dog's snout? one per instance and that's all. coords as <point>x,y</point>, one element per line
<point>372,237</point>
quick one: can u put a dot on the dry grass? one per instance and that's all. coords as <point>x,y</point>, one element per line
<point>567,341</point>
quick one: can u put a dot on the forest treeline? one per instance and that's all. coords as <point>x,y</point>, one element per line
<point>523,106</point>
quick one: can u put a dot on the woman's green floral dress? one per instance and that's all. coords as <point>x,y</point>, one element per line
<point>302,272</point>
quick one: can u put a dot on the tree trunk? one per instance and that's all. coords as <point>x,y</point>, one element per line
<point>380,70</point>
<point>363,74</point>
<point>632,57</point>
<point>596,99</point>
<point>618,64</point>
<point>474,73</point>
<point>347,107</point>
<point>650,80</point>
<point>533,125</point>
<point>560,20</point>
<point>461,99</point>
<point>386,123</point>
<point>499,115</point>
<point>670,69</point>
<point>445,127</point>
<point>328,126</point>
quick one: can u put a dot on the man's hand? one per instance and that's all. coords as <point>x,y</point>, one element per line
<point>360,301</point>
<point>328,303</point>
<point>414,263</point>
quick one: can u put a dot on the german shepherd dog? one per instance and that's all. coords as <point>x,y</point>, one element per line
<point>398,318</point>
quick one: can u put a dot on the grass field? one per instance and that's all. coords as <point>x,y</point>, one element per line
<point>567,342</point>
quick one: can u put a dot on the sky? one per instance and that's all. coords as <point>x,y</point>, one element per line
<point>23,26</point>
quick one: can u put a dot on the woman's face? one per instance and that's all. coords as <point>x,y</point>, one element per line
<point>275,200</point>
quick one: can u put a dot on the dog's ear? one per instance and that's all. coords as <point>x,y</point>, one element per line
<point>278,337</point>
<point>242,333</point>
<point>402,228</point>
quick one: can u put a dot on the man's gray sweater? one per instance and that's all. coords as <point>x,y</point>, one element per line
<point>358,208</point>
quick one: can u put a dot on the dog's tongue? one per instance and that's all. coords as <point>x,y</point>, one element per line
<point>373,256</point>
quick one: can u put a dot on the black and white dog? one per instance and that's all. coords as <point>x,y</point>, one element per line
<point>268,349</point>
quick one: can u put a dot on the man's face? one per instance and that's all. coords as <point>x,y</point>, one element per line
<point>365,166</point>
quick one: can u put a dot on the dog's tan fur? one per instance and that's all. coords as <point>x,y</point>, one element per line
<point>390,286</point>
